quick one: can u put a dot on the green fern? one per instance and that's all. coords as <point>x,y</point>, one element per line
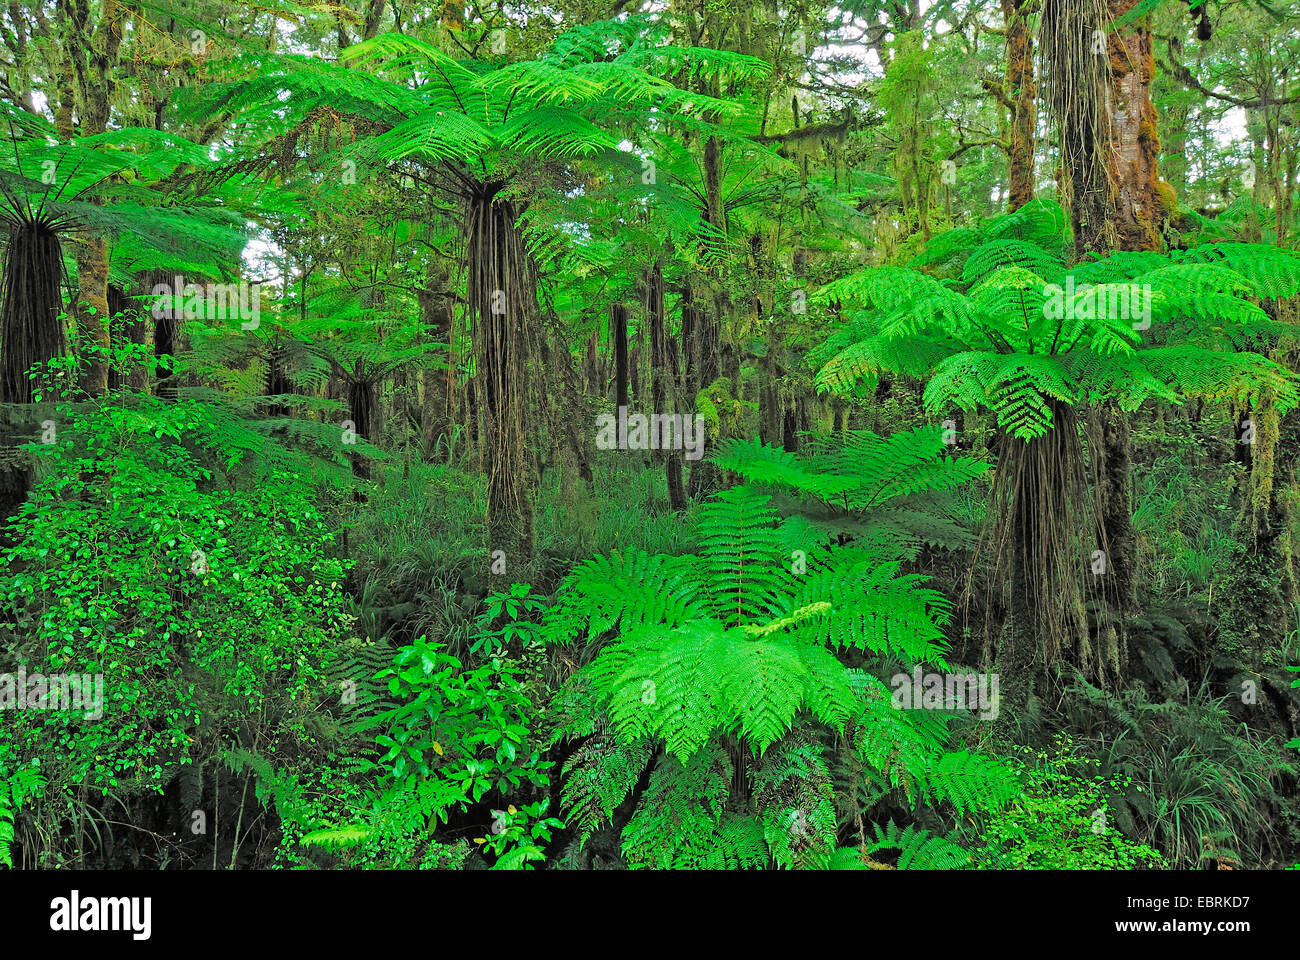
<point>15,789</point>
<point>889,492</point>
<point>725,662</point>
<point>917,848</point>
<point>1018,343</point>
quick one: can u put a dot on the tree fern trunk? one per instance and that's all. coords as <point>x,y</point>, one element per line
<point>1038,496</point>
<point>277,381</point>
<point>31,333</point>
<point>502,297</point>
<point>361,411</point>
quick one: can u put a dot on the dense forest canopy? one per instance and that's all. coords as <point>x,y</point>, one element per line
<point>681,435</point>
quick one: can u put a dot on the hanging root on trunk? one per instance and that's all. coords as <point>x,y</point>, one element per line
<point>1044,552</point>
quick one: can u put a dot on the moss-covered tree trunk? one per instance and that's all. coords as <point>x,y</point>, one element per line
<point>1141,204</point>
<point>1139,207</point>
<point>93,54</point>
<point>1021,93</point>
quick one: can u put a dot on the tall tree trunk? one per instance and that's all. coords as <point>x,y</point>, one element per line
<point>502,298</point>
<point>618,330</point>
<point>1100,91</point>
<point>710,347</point>
<point>700,335</point>
<point>94,57</point>
<point>91,311</point>
<point>436,307</point>
<point>1140,205</point>
<point>140,332</point>
<point>374,16</point>
<point>166,336</point>
<point>664,386</point>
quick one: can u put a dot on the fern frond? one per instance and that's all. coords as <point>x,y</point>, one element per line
<point>598,777</point>
<point>967,781</point>
<point>918,848</point>
<point>676,824</point>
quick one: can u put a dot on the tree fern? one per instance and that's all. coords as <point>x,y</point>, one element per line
<point>725,662</point>
<point>1016,343</point>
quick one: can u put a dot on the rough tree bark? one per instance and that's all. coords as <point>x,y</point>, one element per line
<point>439,386</point>
<point>1110,147</point>
<point>93,54</point>
<point>1021,95</point>
<point>664,384</point>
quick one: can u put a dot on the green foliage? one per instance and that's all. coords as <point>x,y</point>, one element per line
<point>890,492</point>
<point>1027,333</point>
<point>16,787</point>
<point>1063,821</point>
<point>199,603</point>
<point>724,662</point>
<point>458,737</point>
<point>917,848</point>
<point>1201,781</point>
<point>517,835</point>
<point>309,657</point>
<point>519,599</point>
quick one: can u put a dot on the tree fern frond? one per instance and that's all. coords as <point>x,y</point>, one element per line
<point>677,822</point>
<point>598,777</point>
<point>1007,252</point>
